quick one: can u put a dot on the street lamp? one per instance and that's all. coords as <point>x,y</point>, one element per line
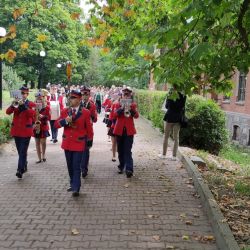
<point>2,34</point>
<point>40,81</point>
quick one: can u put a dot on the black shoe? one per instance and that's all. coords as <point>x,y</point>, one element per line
<point>55,141</point>
<point>75,194</point>
<point>69,189</point>
<point>38,161</point>
<point>120,170</point>
<point>25,167</point>
<point>84,174</point>
<point>44,159</point>
<point>129,174</point>
<point>51,140</point>
<point>19,175</point>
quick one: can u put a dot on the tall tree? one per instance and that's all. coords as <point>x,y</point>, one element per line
<point>53,26</point>
<point>197,44</point>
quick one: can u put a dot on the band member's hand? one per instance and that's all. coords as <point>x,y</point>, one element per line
<point>68,119</point>
<point>120,111</point>
<point>89,143</point>
<point>41,116</point>
<point>132,112</point>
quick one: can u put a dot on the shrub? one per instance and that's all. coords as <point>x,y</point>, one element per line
<point>150,104</point>
<point>206,128</point>
<point>5,123</point>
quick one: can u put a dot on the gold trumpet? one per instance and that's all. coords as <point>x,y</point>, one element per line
<point>17,102</point>
<point>38,122</point>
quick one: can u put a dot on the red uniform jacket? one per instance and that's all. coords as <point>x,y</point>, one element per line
<point>44,120</point>
<point>75,136</point>
<point>125,122</point>
<point>107,105</point>
<point>92,109</point>
<point>23,119</point>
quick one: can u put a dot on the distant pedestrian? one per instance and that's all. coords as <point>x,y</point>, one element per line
<point>173,117</point>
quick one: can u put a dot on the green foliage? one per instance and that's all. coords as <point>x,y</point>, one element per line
<point>150,104</point>
<point>242,188</point>
<point>11,80</point>
<point>206,128</point>
<point>62,43</point>
<point>197,44</point>
<point>5,123</point>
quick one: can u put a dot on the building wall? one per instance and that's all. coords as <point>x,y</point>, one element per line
<point>238,113</point>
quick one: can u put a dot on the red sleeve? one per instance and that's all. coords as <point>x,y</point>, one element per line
<point>10,110</point>
<point>88,125</point>
<point>134,108</point>
<point>93,112</point>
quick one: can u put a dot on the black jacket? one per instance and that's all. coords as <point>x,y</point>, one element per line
<point>175,109</point>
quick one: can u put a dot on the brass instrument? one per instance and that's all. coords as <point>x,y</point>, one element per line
<point>126,103</point>
<point>38,122</point>
<point>18,98</point>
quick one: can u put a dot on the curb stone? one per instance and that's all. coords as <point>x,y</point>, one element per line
<point>223,234</point>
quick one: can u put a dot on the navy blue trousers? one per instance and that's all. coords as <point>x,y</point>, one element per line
<point>22,144</point>
<point>124,146</point>
<point>74,159</point>
<point>85,161</point>
<point>54,131</point>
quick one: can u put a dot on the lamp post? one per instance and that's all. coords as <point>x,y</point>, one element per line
<point>40,80</point>
<point>2,34</point>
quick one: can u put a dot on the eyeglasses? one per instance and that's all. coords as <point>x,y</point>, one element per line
<point>73,97</point>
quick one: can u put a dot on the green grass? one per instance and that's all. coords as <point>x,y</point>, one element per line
<point>242,188</point>
<point>236,154</point>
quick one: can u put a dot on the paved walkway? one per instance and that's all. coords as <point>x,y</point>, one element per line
<point>153,210</point>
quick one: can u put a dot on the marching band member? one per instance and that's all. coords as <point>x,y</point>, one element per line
<point>124,130</point>
<point>41,126</point>
<point>21,128</point>
<point>87,103</point>
<point>77,137</point>
<point>111,125</point>
<point>107,107</point>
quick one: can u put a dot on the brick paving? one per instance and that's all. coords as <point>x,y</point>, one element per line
<point>149,211</point>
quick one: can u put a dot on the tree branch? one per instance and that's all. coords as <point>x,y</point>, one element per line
<point>243,33</point>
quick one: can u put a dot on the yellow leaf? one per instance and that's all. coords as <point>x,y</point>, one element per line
<point>12,29</point>
<point>185,237</point>
<point>3,39</point>
<point>87,26</point>
<point>209,237</point>
<point>105,50</point>
<point>106,9</point>
<point>18,12</point>
<point>129,13</point>
<point>74,231</point>
<point>25,45</point>
<point>126,185</point>
<point>41,38</point>
<point>170,247</point>
<point>75,16</point>
<point>10,55</point>
<point>2,56</point>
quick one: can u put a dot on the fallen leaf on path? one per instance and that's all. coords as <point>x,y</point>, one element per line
<point>185,237</point>
<point>188,222</point>
<point>74,231</point>
<point>183,215</point>
<point>170,247</point>
<point>156,237</point>
<point>126,185</point>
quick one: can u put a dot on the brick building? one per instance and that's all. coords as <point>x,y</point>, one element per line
<point>237,109</point>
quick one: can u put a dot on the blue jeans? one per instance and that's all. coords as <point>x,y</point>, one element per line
<point>73,159</point>
<point>22,144</point>
<point>124,146</point>
<point>54,131</point>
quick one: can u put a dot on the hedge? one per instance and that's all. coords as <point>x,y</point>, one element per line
<point>206,128</point>
<point>5,123</point>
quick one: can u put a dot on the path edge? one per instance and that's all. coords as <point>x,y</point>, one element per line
<point>223,234</point>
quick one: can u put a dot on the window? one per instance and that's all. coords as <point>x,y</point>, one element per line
<point>236,133</point>
<point>241,87</point>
